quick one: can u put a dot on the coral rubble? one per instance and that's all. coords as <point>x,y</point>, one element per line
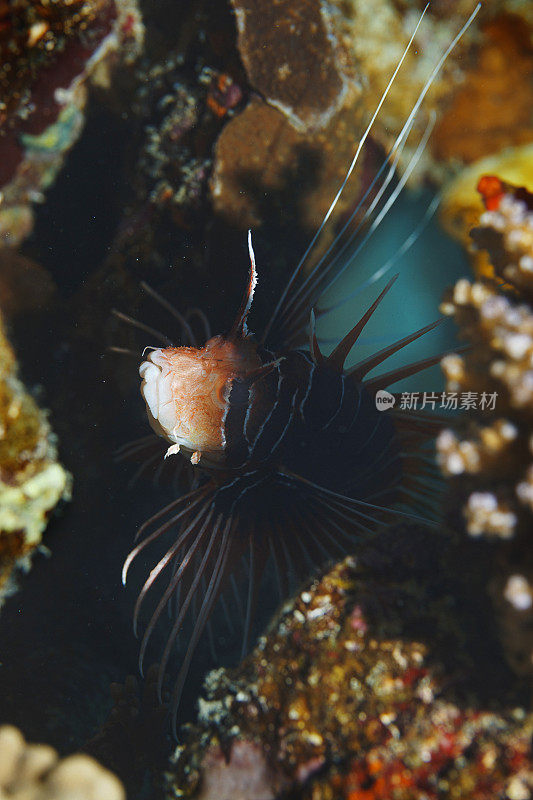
<point>488,458</point>
<point>35,772</point>
<point>32,481</point>
<point>49,50</point>
<point>341,699</point>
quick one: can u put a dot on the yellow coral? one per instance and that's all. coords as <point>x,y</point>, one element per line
<point>462,207</point>
<point>31,480</point>
<point>35,772</point>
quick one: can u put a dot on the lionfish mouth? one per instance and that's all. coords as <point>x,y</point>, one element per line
<point>186,390</point>
<point>156,389</point>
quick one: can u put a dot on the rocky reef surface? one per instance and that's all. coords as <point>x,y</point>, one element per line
<point>32,481</point>
<point>344,697</point>
<point>49,52</point>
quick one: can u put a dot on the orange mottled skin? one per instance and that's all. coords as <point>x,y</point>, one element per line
<point>198,381</point>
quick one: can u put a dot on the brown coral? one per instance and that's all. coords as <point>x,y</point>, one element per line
<point>31,480</point>
<point>290,57</point>
<point>311,126</point>
<point>49,49</point>
<point>35,772</point>
<point>260,151</point>
<point>500,89</point>
<point>336,703</point>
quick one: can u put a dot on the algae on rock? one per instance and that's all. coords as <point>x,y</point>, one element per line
<point>32,481</point>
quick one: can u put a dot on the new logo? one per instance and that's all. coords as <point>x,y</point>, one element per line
<point>384,400</point>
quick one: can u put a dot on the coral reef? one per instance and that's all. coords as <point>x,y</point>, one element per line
<point>462,206</point>
<point>330,112</point>
<point>233,123</point>
<point>133,742</point>
<point>342,699</point>
<point>503,118</point>
<point>385,678</point>
<point>24,284</point>
<point>35,772</point>
<point>49,50</point>
<point>290,58</point>
<point>488,458</point>
<point>32,481</point>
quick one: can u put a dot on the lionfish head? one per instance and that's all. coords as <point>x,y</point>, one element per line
<point>186,389</point>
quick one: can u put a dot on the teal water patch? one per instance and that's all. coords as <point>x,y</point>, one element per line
<point>432,264</point>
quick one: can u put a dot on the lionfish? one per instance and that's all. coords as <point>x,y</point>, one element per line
<point>294,461</point>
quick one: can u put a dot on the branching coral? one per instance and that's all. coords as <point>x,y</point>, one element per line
<point>31,480</point>
<point>35,772</point>
<point>489,458</point>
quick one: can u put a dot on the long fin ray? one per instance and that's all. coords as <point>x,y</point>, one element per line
<point>355,159</point>
<point>300,266</point>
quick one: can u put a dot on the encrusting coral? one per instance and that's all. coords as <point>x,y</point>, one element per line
<point>49,51</point>
<point>503,118</point>
<point>322,118</point>
<point>32,481</point>
<point>290,58</point>
<point>35,772</point>
<point>343,699</point>
<point>488,456</point>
